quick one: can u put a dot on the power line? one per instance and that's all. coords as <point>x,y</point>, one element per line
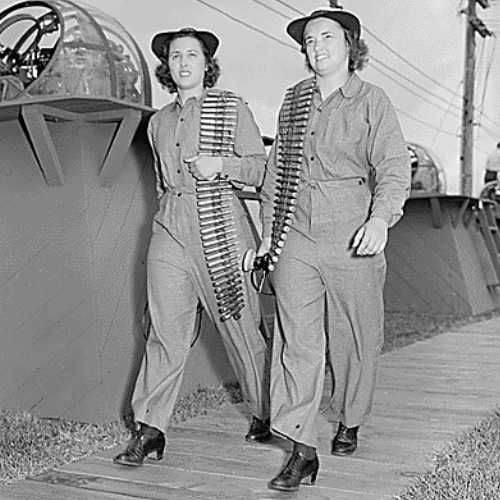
<point>378,39</point>
<point>391,69</point>
<point>444,117</point>
<point>220,11</point>
<point>290,7</point>
<point>446,110</point>
<point>262,32</point>
<point>422,122</point>
<point>388,47</point>
<point>271,9</point>
<point>396,72</point>
<point>488,69</point>
<point>281,42</point>
<point>479,64</point>
<point>416,85</point>
<point>418,70</point>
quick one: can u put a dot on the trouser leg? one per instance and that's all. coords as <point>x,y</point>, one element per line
<point>298,364</point>
<point>172,301</point>
<point>244,343</point>
<point>355,319</point>
<point>248,354</point>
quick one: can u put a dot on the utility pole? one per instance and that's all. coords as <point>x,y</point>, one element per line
<point>473,24</point>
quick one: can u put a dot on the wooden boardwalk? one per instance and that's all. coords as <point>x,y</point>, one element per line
<point>428,393</point>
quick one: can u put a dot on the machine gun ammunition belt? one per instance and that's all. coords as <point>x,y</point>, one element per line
<point>215,198</point>
<point>292,127</point>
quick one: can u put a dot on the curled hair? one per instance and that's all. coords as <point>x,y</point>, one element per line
<point>358,52</point>
<point>162,72</point>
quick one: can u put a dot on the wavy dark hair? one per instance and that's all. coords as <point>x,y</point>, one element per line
<point>358,51</point>
<point>162,72</point>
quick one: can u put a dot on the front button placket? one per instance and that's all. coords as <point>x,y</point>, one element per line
<point>179,132</point>
<point>312,170</point>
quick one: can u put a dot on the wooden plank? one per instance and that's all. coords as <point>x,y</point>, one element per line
<point>185,485</point>
<point>35,490</point>
<point>244,461</point>
<point>137,488</point>
<point>262,461</point>
<point>207,457</point>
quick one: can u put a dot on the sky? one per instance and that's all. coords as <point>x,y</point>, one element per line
<point>417,53</point>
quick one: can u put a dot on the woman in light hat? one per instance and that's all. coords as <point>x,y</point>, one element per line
<point>205,146</point>
<point>324,234</point>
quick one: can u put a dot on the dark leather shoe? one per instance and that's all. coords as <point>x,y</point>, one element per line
<point>297,469</point>
<point>345,441</point>
<point>147,440</point>
<point>259,431</point>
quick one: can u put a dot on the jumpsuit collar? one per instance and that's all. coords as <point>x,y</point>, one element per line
<point>348,90</point>
<point>179,104</point>
<point>351,87</point>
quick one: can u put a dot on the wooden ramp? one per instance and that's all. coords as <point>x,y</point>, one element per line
<point>428,393</point>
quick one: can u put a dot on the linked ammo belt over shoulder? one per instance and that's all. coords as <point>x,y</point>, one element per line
<point>214,200</point>
<point>292,127</point>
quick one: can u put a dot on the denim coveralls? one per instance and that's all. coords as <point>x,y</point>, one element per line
<point>177,276</point>
<point>326,295</point>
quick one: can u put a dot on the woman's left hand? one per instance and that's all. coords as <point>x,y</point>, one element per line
<point>371,238</point>
<point>204,167</point>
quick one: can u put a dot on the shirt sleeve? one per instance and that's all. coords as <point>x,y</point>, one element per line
<point>390,160</point>
<point>248,163</point>
<point>160,188</point>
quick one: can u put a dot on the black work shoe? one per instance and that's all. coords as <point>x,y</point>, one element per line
<point>345,441</point>
<point>145,441</point>
<point>296,469</point>
<point>259,431</point>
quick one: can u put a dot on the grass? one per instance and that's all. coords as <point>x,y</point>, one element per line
<point>30,445</point>
<point>467,469</point>
<point>405,328</point>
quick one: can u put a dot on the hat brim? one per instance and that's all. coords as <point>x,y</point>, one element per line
<point>159,40</point>
<point>346,19</point>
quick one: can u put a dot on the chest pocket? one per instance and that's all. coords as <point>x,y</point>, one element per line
<point>344,125</point>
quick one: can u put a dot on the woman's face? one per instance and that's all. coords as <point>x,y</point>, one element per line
<point>326,46</point>
<point>187,63</point>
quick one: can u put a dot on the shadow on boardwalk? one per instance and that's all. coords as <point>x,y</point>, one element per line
<point>428,393</point>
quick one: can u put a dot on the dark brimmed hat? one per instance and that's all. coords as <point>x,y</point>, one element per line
<point>209,39</point>
<point>346,19</point>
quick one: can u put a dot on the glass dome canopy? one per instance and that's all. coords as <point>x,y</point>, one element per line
<point>426,174</point>
<point>61,48</point>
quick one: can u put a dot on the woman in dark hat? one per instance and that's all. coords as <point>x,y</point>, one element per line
<point>205,145</point>
<point>324,234</point>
